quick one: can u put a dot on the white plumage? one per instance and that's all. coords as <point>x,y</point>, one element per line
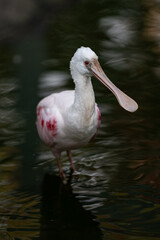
<point>70,119</point>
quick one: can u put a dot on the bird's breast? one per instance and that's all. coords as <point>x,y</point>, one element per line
<point>82,126</point>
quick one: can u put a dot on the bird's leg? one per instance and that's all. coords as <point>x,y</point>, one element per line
<point>62,175</point>
<point>71,160</point>
<point>58,157</point>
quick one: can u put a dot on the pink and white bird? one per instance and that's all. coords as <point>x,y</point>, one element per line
<point>70,119</point>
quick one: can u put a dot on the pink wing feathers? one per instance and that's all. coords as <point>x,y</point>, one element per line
<point>49,115</point>
<point>46,125</point>
<point>51,121</point>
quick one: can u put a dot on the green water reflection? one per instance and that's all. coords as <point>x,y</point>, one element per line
<point>116,195</point>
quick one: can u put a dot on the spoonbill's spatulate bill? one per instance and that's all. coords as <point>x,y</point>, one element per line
<point>70,119</point>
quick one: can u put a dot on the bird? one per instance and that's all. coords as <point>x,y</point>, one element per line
<point>70,119</point>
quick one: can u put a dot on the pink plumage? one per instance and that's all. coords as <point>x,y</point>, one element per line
<point>70,119</point>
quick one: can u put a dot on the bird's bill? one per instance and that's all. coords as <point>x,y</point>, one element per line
<point>125,101</point>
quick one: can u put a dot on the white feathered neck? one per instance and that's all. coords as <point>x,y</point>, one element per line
<point>84,101</point>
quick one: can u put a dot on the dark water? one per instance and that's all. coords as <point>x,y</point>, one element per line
<point>117,194</point>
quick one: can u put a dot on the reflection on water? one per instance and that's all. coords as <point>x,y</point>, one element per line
<point>117,191</point>
<point>62,216</point>
<point>21,216</point>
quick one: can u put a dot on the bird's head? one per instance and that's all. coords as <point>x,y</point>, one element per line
<point>82,61</point>
<point>85,62</point>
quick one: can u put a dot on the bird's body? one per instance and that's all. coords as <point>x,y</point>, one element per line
<point>64,127</point>
<point>70,119</point>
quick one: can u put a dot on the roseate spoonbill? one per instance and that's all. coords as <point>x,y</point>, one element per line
<point>70,119</point>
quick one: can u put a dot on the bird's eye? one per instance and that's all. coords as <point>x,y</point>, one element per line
<point>86,63</point>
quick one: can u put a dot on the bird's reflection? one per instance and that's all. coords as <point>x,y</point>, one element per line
<point>63,217</point>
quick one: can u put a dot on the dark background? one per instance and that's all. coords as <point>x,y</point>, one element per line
<point>117,193</point>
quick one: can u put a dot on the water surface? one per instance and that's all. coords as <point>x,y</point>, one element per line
<point>116,195</point>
